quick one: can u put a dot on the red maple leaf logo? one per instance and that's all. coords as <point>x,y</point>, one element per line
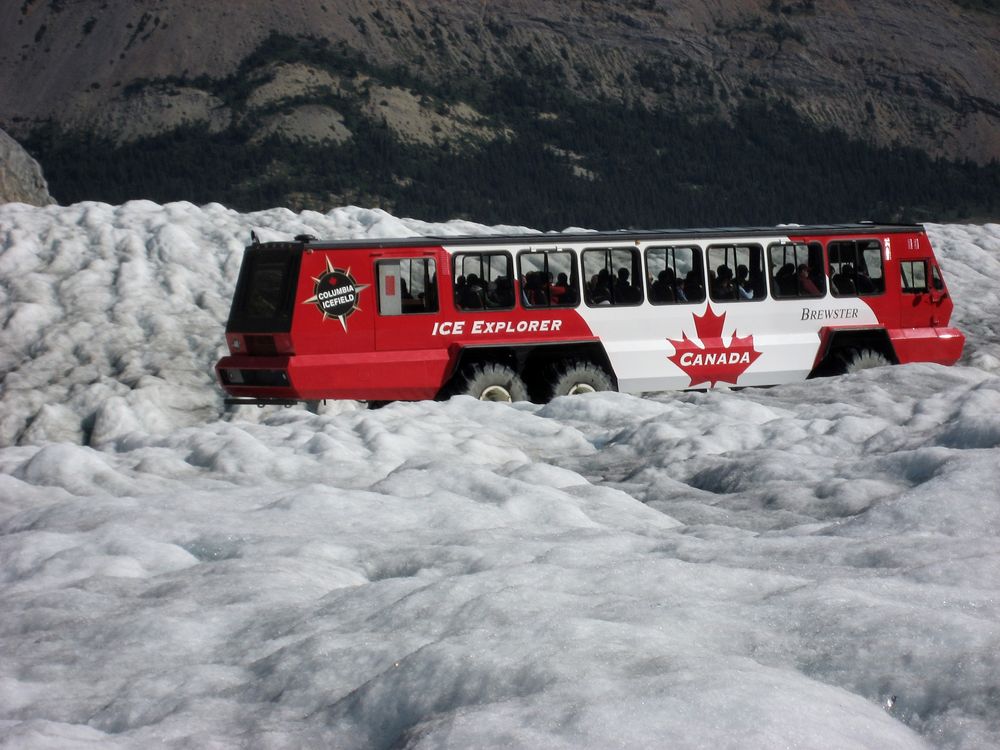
<point>714,362</point>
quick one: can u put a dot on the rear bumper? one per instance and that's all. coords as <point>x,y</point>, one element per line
<point>232,401</point>
<point>247,377</point>
<point>383,376</point>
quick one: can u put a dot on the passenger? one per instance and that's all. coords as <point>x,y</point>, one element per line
<point>785,281</point>
<point>623,290</point>
<point>663,289</point>
<point>843,281</point>
<point>863,283</point>
<point>632,292</point>
<point>557,291</point>
<point>468,297</point>
<point>602,294</point>
<point>534,290</point>
<point>569,297</point>
<point>743,287</point>
<point>678,287</point>
<point>590,290</point>
<point>806,286</point>
<point>693,289</point>
<point>816,274</point>
<point>502,294</point>
<point>724,287</point>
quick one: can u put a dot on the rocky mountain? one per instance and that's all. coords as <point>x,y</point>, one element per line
<point>919,74</point>
<point>922,73</point>
<point>21,179</point>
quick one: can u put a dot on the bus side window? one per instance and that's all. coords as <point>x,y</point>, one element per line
<point>796,270</point>
<point>613,276</point>
<point>675,275</point>
<point>937,278</point>
<point>407,285</point>
<point>549,278</point>
<point>483,281</point>
<point>855,268</point>
<point>870,268</point>
<point>914,276</point>
<point>736,273</point>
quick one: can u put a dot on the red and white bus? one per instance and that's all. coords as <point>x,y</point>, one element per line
<point>538,316</point>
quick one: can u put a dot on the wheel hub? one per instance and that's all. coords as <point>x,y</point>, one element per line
<point>495,393</point>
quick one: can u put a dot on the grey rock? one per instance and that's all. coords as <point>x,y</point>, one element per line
<point>21,179</point>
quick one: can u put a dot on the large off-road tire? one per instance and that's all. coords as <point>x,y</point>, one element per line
<point>856,360</point>
<point>573,377</point>
<point>490,381</point>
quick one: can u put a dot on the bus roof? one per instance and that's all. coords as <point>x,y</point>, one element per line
<point>624,235</point>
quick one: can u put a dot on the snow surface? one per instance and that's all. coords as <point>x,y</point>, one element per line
<point>811,566</point>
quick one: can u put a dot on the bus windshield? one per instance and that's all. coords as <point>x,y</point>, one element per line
<point>264,293</point>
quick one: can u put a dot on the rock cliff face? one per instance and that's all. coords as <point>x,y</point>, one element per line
<point>914,72</point>
<point>21,179</point>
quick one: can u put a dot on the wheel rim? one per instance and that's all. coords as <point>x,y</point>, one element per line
<point>495,393</point>
<point>581,388</point>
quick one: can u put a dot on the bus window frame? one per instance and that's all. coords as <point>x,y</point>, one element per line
<point>430,281</point>
<point>810,247</point>
<point>635,272</point>
<point>911,264</point>
<point>873,245</point>
<point>574,277</point>
<point>485,307</point>
<point>697,254</point>
<point>750,246</point>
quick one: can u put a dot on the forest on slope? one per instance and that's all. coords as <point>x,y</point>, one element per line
<point>549,158</point>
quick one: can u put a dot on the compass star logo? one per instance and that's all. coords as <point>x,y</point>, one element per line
<point>714,362</point>
<point>336,294</point>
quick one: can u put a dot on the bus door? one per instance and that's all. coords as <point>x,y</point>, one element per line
<point>923,294</point>
<point>408,301</point>
<point>411,354</point>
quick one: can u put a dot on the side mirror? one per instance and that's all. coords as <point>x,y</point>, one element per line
<point>937,298</point>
